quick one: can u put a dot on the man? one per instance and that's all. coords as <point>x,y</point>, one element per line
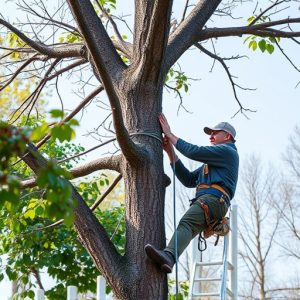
<point>215,181</point>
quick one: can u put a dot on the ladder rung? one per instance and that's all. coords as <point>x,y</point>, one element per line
<point>207,279</point>
<point>212,263</point>
<point>205,294</point>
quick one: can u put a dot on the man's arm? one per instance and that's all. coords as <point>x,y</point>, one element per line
<point>217,155</point>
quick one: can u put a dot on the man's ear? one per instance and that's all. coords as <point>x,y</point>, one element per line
<point>228,137</point>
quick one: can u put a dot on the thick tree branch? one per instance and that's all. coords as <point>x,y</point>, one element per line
<point>74,50</point>
<point>152,25</point>
<point>106,163</point>
<point>106,59</point>
<point>262,29</point>
<point>90,232</point>
<point>109,66</point>
<point>186,34</point>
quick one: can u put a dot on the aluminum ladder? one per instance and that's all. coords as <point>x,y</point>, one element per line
<point>199,281</point>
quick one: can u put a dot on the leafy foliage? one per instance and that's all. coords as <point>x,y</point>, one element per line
<point>58,194</point>
<point>70,38</point>
<point>178,79</point>
<point>264,44</point>
<point>13,41</point>
<point>108,4</point>
<point>183,290</point>
<point>30,247</point>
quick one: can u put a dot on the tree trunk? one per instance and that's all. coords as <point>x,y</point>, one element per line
<point>145,193</point>
<point>137,277</point>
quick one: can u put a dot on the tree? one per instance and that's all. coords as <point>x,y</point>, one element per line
<point>32,244</point>
<point>264,197</point>
<point>291,190</point>
<point>259,226</point>
<point>132,73</point>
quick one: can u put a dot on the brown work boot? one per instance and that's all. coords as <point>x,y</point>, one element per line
<point>164,259</point>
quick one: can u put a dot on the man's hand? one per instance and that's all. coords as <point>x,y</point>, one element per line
<point>167,129</point>
<point>164,124</point>
<point>169,139</point>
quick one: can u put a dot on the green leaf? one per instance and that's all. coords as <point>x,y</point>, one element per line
<point>247,38</point>
<point>253,45</point>
<point>39,132</point>
<point>56,113</point>
<point>270,48</point>
<point>249,20</point>
<point>30,213</point>
<point>186,87</point>
<point>39,211</point>
<point>30,294</point>
<point>262,45</point>
<point>63,132</point>
<point>73,122</point>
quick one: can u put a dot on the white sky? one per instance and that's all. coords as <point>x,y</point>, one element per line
<point>211,100</point>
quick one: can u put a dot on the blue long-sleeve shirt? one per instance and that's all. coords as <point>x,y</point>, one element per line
<point>222,161</point>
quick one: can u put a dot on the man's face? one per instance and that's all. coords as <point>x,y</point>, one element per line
<point>219,137</point>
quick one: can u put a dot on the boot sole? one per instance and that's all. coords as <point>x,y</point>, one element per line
<point>154,256</point>
<point>166,268</point>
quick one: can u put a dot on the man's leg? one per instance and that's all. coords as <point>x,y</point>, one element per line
<point>192,223</point>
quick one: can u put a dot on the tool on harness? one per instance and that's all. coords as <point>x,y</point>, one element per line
<point>214,227</point>
<point>202,245</point>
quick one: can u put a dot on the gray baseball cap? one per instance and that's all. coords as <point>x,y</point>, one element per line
<point>225,126</point>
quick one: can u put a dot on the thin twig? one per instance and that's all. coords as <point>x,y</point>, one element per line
<point>233,84</point>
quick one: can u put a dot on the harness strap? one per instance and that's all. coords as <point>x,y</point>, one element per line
<point>215,186</point>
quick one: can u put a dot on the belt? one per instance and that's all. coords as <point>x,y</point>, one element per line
<point>215,186</point>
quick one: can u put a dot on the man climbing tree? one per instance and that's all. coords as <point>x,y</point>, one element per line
<point>215,182</point>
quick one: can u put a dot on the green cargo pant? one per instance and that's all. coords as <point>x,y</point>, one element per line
<point>193,222</point>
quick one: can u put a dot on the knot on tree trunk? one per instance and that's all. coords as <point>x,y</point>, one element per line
<point>167,180</point>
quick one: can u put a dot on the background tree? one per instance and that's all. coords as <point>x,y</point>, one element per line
<point>290,213</point>
<point>261,213</point>
<point>132,72</point>
<point>288,208</point>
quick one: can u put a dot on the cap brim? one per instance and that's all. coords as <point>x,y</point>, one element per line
<point>208,130</point>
